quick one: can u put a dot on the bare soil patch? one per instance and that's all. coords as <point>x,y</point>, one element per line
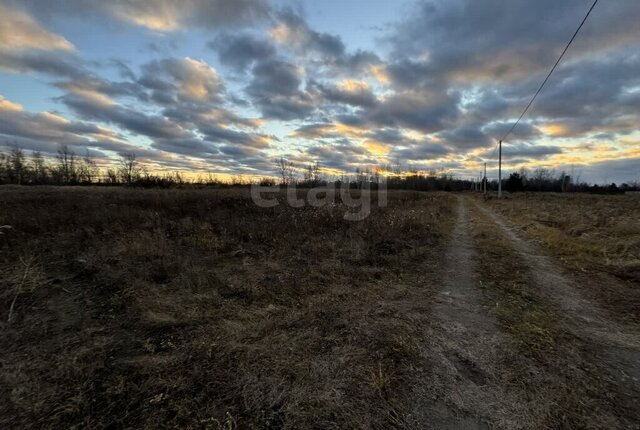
<point>464,341</point>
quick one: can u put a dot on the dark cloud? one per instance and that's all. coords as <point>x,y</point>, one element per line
<point>341,154</point>
<point>465,137</point>
<point>492,39</point>
<point>169,135</point>
<point>46,132</point>
<point>226,157</point>
<point>593,87</point>
<point>193,147</point>
<point>350,93</point>
<point>241,153</point>
<point>325,54</point>
<point>352,120</point>
<point>275,77</point>
<point>193,120</point>
<point>276,82</point>
<point>419,151</point>
<point>298,106</point>
<point>425,111</point>
<point>198,114</point>
<point>386,135</point>
<point>182,79</point>
<point>126,118</point>
<point>275,90</point>
<point>530,150</point>
<point>456,72</point>
<point>295,30</point>
<point>585,96</point>
<point>314,130</point>
<point>497,54</point>
<point>89,82</point>
<point>523,131</point>
<point>358,61</point>
<point>54,64</point>
<point>157,15</point>
<point>240,51</point>
<point>604,136</point>
<point>408,73</point>
<point>241,138</point>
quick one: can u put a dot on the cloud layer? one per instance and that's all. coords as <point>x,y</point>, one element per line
<point>448,78</point>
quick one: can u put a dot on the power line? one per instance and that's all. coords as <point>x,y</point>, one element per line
<point>495,150</point>
<point>552,70</point>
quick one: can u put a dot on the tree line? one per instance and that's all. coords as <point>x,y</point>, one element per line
<point>548,180</point>
<point>392,175</point>
<point>68,168</point>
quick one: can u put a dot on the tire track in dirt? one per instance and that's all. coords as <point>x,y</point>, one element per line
<point>464,346</point>
<point>616,346</point>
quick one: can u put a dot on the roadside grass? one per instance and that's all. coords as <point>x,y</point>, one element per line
<point>546,363</point>
<point>195,308</point>
<point>597,237</point>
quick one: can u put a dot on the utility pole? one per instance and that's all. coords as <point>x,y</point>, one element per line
<point>500,171</point>
<point>484,181</point>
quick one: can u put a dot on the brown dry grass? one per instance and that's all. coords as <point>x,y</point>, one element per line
<point>597,237</point>
<point>557,374</point>
<point>195,308</point>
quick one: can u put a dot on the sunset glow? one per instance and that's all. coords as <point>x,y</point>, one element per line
<point>228,87</point>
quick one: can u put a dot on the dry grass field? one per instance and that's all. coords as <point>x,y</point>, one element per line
<point>194,308</point>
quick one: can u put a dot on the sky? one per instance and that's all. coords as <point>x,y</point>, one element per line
<point>228,86</point>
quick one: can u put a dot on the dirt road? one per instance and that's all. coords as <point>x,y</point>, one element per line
<point>619,345</point>
<point>465,343</point>
<point>514,344</point>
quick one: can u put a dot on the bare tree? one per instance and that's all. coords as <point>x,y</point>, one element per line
<point>66,169</point>
<point>396,168</point>
<point>312,173</point>
<point>112,176</point>
<point>543,179</point>
<point>4,168</point>
<point>17,165</point>
<point>88,171</point>
<point>285,170</point>
<point>129,168</point>
<point>38,168</point>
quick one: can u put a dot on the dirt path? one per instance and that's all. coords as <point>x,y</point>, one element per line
<point>464,346</point>
<point>478,377</point>
<point>617,347</point>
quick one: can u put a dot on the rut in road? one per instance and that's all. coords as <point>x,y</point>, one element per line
<point>465,344</point>
<point>617,346</point>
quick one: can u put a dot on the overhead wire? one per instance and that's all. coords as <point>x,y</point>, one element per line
<point>564,51</point>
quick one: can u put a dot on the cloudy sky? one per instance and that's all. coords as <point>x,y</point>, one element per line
<point>227,86</point>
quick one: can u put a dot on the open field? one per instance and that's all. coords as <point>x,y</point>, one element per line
<point>194,308</point>
<point>198,308</point>
<point>592,235</point>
